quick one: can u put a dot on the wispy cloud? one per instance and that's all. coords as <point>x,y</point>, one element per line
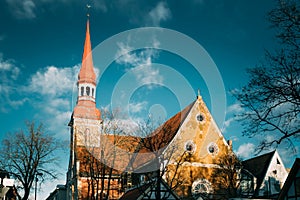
<point>139,63</point>
<point>231,113</point>
<point>235,108</point>
<point>159,13</point>
<point>52,88</point>
<point>245,150</point>
<point>9,90</point>
<point>29,9</point>
<point>137,12</point>
<point>137,107</point>
<point>53,81</point>
<point>22,9</point>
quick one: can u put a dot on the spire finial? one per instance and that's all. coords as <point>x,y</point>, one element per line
<point>88,6</point>
<point>198,96</point>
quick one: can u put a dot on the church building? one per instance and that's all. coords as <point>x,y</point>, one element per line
<point>186,157</point>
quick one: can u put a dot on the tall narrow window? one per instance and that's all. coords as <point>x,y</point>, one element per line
<point>93,90</point>
<point>82,91</point>
<point>88,91</point>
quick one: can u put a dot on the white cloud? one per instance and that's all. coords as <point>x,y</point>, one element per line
<point>139,63</point>
<point>235,108</point>
<point>53,81</point>
<point>138,12</point>
<point>227,123</point>
<point>29,9</point>
<point>232,111</point>
<point>9,90</point>
<point>246,150</point>
<point>8,70</point>
<point>137,107</point>
<point>22,9</point>
<point>147,75</point>
<point>53,89</point>
<point>160,13</point>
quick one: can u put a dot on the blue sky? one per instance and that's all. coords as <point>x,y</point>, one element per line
<point>41,45</point>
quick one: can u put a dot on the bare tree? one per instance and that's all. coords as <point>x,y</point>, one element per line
<point>226,177</point>
<point>100,155</point>
<point>26,155</point>
<point>159,167</point>
<point>271,98</point>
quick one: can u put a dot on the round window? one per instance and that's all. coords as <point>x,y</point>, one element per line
<point>200,118</point>
<point>190,146</point>
<point>213,148</point>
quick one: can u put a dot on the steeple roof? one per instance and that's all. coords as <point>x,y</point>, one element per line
<point>86,105</point>
<point>87,73</point>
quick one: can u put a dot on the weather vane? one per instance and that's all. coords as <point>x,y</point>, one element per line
<point>88,10</point>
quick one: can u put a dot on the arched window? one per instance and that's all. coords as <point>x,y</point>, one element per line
<point>82,91</point>
<point>201,186</point>
<point>88,91</point>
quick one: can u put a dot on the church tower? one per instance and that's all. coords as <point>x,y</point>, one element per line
<point>85,120</point>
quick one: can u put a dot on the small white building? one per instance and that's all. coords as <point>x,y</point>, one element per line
<point>263,176</point>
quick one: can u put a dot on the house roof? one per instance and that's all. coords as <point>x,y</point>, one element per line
<point>160,139</point>
<point>164,134</point>
<point>135,193</point>
<point>258,166</point>
<point>143,150</point>
<point>148,189</point>
<point>290,179</point>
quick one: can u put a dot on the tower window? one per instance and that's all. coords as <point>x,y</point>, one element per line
<point>93,90</point>
<point>82,91</point>
<point>88,91</point>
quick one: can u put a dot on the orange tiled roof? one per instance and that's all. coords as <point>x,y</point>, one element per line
<point>140,151</point>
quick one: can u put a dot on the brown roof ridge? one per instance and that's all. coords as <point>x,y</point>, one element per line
<point>161,137</point>
<point>183,114</point>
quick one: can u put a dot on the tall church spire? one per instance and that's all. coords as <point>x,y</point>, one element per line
<point>86,101</point>
<point>87,73</point>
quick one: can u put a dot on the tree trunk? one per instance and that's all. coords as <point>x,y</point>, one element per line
<point>26,193</point>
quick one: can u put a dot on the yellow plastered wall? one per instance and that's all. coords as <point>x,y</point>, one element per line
<point>200,163</point>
